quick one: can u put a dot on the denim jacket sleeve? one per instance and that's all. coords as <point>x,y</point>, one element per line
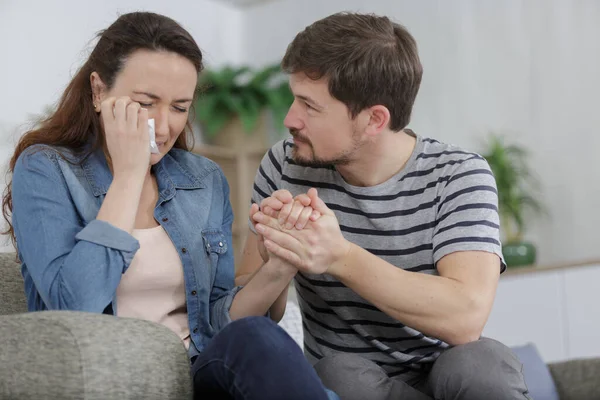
<point>73,267</point>
<point>223,290</point>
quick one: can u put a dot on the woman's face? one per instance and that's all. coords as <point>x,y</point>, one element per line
<point>162,82</point>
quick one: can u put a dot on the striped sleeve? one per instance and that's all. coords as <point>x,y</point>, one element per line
<point>467,214</point>
<point>268,176</point>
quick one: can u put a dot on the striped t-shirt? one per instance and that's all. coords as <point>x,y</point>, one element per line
<point>444,200</point>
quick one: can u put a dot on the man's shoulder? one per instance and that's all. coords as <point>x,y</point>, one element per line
<point>447,159</point>
<point>440,151</point>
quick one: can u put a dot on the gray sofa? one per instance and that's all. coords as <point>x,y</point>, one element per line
<point>71,355</point>
<point>74,355</point>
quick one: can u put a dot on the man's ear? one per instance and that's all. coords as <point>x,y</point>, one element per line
<point>98,90</point>
<point>379,119</point>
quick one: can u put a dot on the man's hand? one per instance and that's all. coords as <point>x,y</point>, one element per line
<point>315,249</point>
<point>291,213</point>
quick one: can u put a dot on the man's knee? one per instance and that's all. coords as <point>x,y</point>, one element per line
<point>353,377</point>
<point>345,367</point>
<point>485,369</point>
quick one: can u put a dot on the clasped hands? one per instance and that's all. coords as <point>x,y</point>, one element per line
<point>300,230</point>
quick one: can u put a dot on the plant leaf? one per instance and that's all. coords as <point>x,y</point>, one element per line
<point>262,77</point>
<point>216,123</point>
<point>279,101</point>
<point>238,91</point>
<point>514,181</point>
<point>205,106</point>
<point>252,108</point>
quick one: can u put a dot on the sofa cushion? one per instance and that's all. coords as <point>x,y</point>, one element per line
<point>74,355</point>
<point>577,379</point>
<point>536,372</point>
<point>12,292</point>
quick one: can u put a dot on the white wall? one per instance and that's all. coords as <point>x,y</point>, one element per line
<point>527,68</point>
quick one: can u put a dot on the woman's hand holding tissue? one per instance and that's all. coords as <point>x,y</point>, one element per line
<point>126,130</point>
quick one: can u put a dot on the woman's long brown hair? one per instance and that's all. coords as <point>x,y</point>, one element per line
<point>74,125</point>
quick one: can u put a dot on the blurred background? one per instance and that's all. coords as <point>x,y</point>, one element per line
<point>517,81</point>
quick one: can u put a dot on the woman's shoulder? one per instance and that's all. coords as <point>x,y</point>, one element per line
<point>46,156</point>
<point>38,165</point>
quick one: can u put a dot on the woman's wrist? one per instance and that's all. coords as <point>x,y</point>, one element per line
<point>280,269</point>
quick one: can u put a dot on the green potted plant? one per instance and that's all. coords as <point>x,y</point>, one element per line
<point>516,197</point>
<point>236,98</point>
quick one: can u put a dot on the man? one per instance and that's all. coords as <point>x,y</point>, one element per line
<point>397,257</point>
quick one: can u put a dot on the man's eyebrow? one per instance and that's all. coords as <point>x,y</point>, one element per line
<point>155,97</point>
<point>309,100</point>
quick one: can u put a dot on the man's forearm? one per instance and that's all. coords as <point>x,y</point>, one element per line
<point>266,290</point>
<point>437,306</point>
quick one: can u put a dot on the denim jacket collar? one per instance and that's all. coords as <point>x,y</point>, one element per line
<point>170,175</point>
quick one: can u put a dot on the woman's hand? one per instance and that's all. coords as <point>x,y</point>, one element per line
<point>126,132</point>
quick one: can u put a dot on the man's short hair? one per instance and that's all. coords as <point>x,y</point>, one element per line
<point>367,60</point>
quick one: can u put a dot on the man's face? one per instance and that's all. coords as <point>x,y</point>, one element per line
<point>324,132</point>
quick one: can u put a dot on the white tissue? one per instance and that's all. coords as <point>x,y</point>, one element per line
<point>153,146</point>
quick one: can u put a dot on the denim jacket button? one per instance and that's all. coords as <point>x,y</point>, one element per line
<point>195,330</point>
<point>165,219</point>
<point>183,250</point>
<point>194,292</point>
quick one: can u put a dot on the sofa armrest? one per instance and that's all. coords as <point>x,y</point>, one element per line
<point>74,355</point>
<point>577,379</point>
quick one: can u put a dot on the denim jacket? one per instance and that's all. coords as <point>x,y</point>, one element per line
<point>71,261</point>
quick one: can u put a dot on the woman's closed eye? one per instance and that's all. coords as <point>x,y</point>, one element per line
<point>176,108</point>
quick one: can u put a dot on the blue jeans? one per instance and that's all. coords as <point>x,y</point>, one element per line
<point>251,359</point>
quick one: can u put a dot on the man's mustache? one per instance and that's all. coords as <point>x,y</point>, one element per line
<point>296,135</point>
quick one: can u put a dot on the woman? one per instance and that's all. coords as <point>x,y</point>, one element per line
<point>103,225</point>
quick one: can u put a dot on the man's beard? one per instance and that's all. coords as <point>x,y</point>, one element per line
<point>344,158</point>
